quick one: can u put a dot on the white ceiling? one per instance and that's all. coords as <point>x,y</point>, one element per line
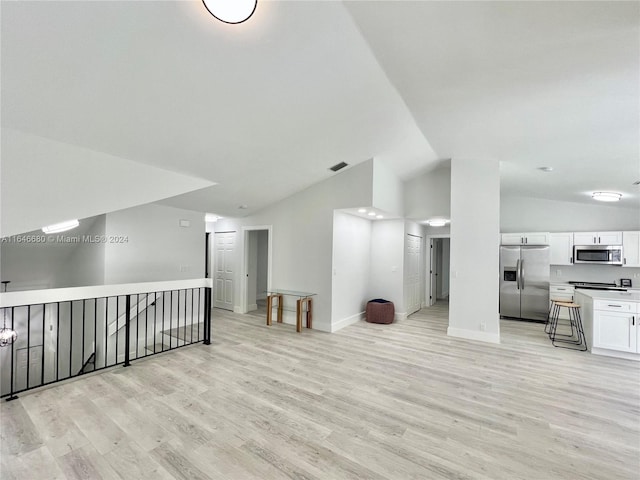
<point>264,108</point>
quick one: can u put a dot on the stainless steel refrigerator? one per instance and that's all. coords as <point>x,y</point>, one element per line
<point>524,282</point>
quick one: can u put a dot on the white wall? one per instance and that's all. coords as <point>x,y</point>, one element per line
<point>525,214</point>
<point>475,241</point>
<point>387,262</point>
<point>46,182</point>
<point>156,247</point>
<point>85,264</point>
<point>67,259</point>
<point>388,189</point>
<point>303,236</point>
<point>429,195</point>
<point>351,268</point>
<point>594,273</point>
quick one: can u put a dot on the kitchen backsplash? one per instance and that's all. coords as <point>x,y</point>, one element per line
<point>594,273</point>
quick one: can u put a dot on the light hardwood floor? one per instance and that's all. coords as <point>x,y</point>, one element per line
<point>400,401</point>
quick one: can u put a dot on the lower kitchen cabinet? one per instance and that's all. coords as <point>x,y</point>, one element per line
<point>615,331</point>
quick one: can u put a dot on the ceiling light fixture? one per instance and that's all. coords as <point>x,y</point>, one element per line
<point>372,214</point>
<point>546,169</point>
<point>61,227</point>
<point>362,210</point>
<point>437,222</point>
<point>7,335</point>
<point>379,217</point>
<point>606,196</point>
<point>231,11</point>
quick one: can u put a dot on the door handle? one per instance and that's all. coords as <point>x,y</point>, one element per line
<point>522,274</point>
<point>518,274</point>
<point>617,306</point>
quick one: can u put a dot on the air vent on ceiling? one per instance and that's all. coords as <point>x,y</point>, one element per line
<point>637,183</point>
<point>338,166</point>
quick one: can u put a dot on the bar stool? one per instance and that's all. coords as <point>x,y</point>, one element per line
<point>576,340</point>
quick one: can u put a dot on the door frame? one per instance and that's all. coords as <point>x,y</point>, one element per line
<point>244,268</point>
<point>430,270</point>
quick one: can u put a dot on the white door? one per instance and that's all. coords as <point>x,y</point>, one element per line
<point>224,265</point>
<point>414,254</point>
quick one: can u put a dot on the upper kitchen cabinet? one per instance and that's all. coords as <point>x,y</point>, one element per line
<point>561,251</point>
<point>631,249</point>
<point>597,238</point>
<point>535,238</point>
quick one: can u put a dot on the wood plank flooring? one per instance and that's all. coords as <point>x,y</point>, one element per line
<point>400,401</point>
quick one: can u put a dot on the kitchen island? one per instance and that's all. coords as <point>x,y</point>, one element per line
<point>610,321</point>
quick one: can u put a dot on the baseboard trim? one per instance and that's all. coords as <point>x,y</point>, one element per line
<point>473,335</point>
<point>345,322</point>
<point>252,307</point>
<point>616,354</point>
<point>398,316</point>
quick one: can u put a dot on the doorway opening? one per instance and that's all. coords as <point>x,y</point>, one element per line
<point>257,268</point>
<point>439,261</point>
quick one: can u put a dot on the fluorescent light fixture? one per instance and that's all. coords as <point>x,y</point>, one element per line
<point>606,196</point>
<point>437,222</point>
<point>61,227</point>
<point>231,11</point>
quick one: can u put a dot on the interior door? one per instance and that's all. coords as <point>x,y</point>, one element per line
<point>414,253</point>
<point>224,266</point>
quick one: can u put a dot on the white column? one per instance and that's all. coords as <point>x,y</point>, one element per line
<point>475,249</point>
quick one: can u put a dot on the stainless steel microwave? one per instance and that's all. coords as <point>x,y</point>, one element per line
<point>600,254</point>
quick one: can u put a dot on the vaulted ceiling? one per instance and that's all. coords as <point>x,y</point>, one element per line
<point>262,109</point>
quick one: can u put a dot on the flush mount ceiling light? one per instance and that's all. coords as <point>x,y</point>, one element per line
<point>61,227</point>
<point>7,335</point>
<point>606,196</point>
<point>437,222</point>
<point>231,11</point>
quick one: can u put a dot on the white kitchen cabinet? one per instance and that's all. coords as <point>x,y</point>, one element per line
<point>530,238</point>
<point>615,330</point>
<point>561,251</point>
<point>631,249</point>
<point>597,238</point>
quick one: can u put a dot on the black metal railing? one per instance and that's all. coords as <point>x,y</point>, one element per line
<point>65,339</point>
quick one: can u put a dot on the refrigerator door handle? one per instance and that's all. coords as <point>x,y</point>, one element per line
<point>518,274</point>
<point>522,274</point>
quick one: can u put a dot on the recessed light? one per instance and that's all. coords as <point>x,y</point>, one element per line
<point>636,183</point>
<point>606,196</point>
<point>379,217</point>
<point>61,227</point>
<point>243,207</point>
<point>546,169</point>
<point>372,214</point>
<point>362,210</point>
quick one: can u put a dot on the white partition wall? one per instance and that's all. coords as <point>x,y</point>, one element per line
<point>475,241</point>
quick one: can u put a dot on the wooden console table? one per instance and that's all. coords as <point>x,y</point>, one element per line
<point>303,299</point>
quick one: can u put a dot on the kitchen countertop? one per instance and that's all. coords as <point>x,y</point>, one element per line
<point>611,295</point>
